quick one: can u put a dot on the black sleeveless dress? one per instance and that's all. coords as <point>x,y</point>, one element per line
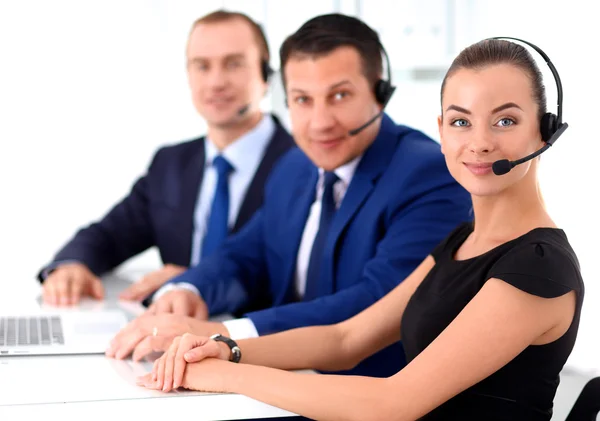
<point>541,263</point>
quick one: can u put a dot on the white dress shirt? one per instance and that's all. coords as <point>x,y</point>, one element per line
<point>245,155</point>
<point>244,328</point>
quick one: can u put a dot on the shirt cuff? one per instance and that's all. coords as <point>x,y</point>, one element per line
<point>170,287</point>
<point>241,328</point>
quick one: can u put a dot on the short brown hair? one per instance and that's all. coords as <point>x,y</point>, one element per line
<point>225,15</point>
<point>323,34</point>
<point>493,51</point>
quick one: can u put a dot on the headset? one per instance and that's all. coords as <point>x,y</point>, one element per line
<point>266,70</point>
<point>551,125</point>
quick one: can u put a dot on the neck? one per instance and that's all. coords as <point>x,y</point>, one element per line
<point>512,213</point>
<point>224,135</point>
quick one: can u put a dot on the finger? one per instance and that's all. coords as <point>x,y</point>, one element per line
<point>140,289</point>
<point>160,372</point>
<point>169,366</point>
<point>115,342</point>
<point>130,293</point>
<point>129,343</point>
<point>143,349</point>
<point>182,304</point>
<point>145,380</point>
<point>96,288</point>
<point>49,292</point>
<point>202,352</point>
<point>155,370</point>
<point>187,342</point>
<point>135,329</point>
<point>76,290</point>
<point>201,311</point>
<point>164,304</point>
<point>62,288</point>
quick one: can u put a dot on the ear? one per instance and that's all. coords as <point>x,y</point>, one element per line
<point>440,123</point>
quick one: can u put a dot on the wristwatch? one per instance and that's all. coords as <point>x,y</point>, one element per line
<point>236,352</point>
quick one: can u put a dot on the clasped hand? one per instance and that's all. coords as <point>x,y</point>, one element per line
<point>169,371</point>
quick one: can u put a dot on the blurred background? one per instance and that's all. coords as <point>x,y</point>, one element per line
<point>90,89</point>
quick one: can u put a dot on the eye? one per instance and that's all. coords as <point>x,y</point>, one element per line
<point>234,64</point>
<point>338,96</point>
<point>200,66</point>
<point>301,99</point>
<point>505,122</point>
<point>460,122</point>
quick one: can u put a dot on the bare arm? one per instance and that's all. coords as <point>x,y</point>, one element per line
<point>466,352</point>
<point>340,346</point>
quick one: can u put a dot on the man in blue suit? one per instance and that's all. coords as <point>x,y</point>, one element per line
<point>345,218</point>
<point>196,192</point>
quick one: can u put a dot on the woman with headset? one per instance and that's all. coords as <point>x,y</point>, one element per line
<point>487,320</point>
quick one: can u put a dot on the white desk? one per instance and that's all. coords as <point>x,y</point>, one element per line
<point>93,386</point>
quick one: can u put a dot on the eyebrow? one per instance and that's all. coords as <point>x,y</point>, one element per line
<point>332,87</point>
<point>494,111</point>
<point>227,57</point>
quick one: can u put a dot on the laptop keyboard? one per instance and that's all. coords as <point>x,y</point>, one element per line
<point>40,330</point>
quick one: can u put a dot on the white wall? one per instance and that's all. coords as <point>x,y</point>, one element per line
<point>90,89</point>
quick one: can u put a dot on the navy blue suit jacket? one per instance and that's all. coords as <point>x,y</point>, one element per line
<point>159,210</point>
<point>400,203</point>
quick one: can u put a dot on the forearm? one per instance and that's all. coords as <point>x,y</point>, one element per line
<point>314,347</point>
<point>317,396</point>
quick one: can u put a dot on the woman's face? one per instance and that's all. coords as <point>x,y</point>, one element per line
<point>488,114</point>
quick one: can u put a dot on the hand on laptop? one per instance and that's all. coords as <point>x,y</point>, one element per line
<point>168,371</point>
<point>181,302</point>
<point>154,333</point>
<point>151,282</point>
<point>69,282</point>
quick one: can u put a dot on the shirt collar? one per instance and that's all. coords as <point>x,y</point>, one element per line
<point>251,143</point>
<point>344,172</point>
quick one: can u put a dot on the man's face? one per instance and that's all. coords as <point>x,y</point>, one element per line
<point>327,97</point>
<point>223,63</point>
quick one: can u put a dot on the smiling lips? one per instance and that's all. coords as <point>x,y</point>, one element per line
<point>219,101</point>
<point>479,168</point>
<point>328,143</point>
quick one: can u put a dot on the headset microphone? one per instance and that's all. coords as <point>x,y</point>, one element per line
<point>243,110</point>
<point>551,125</point>
<point>383,93</point>
<point>503,166</point>
<point>356,131</point>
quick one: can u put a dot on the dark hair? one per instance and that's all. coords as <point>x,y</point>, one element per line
<point>493,51</point>
<point>225,15</point>
<point>322,34</point>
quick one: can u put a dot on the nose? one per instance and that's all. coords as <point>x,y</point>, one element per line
<point>216,79</point>
<point>481,142</point>
<point>321,119</point>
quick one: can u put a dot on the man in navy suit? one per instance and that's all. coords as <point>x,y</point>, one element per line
<point>195,192</point>
<point>346,217</point>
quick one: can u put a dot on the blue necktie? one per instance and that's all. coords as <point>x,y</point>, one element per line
<point>217,229</point>
<point>328,209</point>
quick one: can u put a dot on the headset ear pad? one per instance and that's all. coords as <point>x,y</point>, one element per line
<point>548,126</point>
<point>383,91</point>
<point>266,70</point>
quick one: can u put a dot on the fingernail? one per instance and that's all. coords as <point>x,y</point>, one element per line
<point>175,385</point>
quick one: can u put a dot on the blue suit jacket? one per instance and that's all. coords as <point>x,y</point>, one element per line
<point>400,203</point>
<point>159,210</point>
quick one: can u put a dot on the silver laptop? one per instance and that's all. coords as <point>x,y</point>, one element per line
<point>68,332</point>
<point>85,329</point>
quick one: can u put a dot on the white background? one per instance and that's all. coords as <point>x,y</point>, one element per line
<point>90,89</point>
